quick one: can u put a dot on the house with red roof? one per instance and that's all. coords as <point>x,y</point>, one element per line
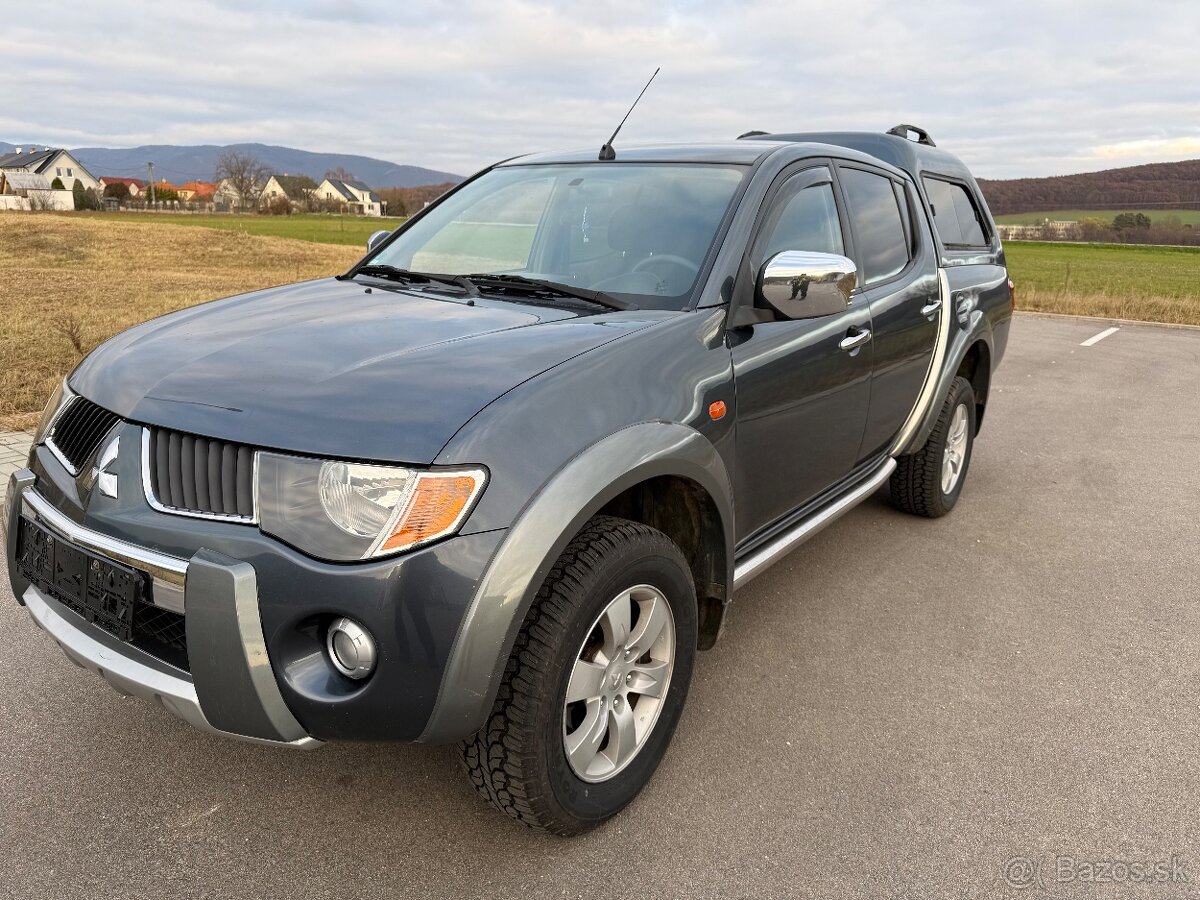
<point>197,191</point>
<point>135,185</point>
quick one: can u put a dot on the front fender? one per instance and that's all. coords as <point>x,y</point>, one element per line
<point>538,537</point>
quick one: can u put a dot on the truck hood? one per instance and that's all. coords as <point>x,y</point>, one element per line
<point>328,369</point>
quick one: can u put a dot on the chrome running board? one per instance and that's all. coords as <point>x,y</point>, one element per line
<point>763,558</point>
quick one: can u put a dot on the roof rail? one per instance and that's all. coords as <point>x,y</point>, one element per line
<point>750,134</point>
<point>922,135</point>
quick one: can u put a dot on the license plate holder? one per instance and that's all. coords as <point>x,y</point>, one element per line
<point>104,592</point>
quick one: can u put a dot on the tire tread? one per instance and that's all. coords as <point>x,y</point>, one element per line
<point>916,484</point>
<point>501,757</point>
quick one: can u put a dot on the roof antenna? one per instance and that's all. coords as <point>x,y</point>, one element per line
<point>607,152</point>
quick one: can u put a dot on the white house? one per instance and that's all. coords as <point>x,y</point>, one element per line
<point>295,188</point>
<point>30,191</point>
<point>51,162</point>
<point>359,198</point>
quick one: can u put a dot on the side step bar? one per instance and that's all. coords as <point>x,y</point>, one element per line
<point>764,557</point>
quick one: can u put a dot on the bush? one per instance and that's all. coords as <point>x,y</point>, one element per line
<point>85,198</point>
<point>117,189</point>
<point>278,206</point>
<point>162,194</point>
<point>57,185</point>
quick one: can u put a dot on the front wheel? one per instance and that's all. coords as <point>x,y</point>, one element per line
<point>928,482</point>
<point>595,684</point>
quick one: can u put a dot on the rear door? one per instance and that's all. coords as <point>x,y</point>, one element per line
<point>897,268</point>
<point>801,397</point>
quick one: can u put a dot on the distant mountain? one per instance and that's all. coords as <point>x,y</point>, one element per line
<point>1153,186</point>
<point>197,163</point>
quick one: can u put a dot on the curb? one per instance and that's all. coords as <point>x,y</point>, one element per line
<point>1123,322</point>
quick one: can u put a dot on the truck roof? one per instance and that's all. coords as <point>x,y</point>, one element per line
<point>913,157</point>
<point>735,152</point>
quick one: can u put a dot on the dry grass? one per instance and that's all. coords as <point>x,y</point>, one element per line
<point>1115,281</point>
<point>1107,306</point>
<point>67,284</point>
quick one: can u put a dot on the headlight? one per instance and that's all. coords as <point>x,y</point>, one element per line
<point>349,511</point>
<point>58,399</point>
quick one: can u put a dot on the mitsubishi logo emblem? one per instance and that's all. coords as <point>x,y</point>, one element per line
<point>105,471</point>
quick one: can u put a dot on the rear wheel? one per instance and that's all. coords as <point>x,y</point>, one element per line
<point>928,482</point>
<point>595,684</point>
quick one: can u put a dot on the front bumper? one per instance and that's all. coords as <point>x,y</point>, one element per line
<point>127,675</point>
<point>242,699</point>
<point>255,612</point>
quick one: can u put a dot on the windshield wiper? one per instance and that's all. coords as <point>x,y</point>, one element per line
<point>538,285</point>
<point>395,273</point>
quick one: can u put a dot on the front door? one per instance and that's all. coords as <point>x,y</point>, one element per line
<point>802,398</point>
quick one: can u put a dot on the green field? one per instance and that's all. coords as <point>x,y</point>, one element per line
<point>322,228</point>
<point>1159,284</point>
<point>1183,216</point>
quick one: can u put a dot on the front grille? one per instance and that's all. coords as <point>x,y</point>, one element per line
<point>200,477</point>
<point>78,431</point>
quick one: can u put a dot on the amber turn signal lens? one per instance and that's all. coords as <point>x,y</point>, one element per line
<point>437,506</point>
<point>716,410</point>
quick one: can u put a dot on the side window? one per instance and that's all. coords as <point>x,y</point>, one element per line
<point>955,216</point>
<point>807,220</point>
<point>882,240</point>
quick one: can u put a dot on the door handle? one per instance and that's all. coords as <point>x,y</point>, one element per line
<point>931,308</point>
<point>856,340</point>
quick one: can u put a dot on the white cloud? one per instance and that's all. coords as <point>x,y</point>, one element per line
<point>1017,88</point>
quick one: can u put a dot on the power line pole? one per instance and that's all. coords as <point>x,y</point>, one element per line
<point>150,171</point>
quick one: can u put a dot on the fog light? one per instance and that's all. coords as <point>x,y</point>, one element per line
<point>351,648</point>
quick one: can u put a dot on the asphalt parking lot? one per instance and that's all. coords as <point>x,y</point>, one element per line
<point>901,708</point>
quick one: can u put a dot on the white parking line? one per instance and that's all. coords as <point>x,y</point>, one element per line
<point>1097,338</point>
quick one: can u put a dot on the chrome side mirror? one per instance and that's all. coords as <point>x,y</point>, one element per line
<point>374,240</point>
<point>800,284</point>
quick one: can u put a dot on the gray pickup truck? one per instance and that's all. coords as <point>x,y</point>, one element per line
<point>499,482</point>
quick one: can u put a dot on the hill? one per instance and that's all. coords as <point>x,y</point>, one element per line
<point>1153,186</point>
<point>181,164</point>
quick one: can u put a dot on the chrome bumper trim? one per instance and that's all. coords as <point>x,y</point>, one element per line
<point>128,676</point>
<point>763,558</point>
<point>168,573</point>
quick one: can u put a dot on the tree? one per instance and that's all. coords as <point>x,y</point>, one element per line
<point>118,190</point>
<point>57,185</point>
<point>244,176</point>
<point>1127,221</point>
<point>339,174</point>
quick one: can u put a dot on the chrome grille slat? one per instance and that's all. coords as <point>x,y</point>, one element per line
<point>78,431</point>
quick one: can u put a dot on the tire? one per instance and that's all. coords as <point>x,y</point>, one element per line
<point>918,485</point>
<point>519,760</point>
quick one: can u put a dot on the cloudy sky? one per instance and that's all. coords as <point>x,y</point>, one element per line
<point>1015,88</point>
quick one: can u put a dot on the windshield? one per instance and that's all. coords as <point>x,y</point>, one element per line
<point>635,232</point>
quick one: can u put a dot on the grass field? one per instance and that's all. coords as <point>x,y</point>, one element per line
<point>1184,216</point>
<point>69,282</point>
<point>320,228</point>
<point>1120,281</point>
